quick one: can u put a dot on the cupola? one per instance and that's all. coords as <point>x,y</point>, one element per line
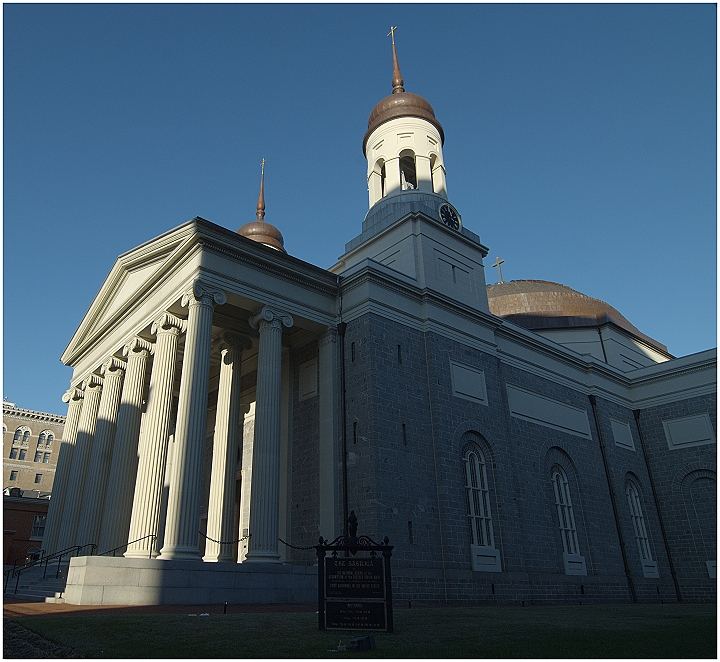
<point>258,230</point>
<point>403,143</point>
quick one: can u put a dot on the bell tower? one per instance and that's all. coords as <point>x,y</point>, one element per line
<point>403,143</point>
<point>411,229</point>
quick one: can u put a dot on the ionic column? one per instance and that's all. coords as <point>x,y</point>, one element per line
<point>93,499</point>
<point>123,467</point>
<point>183,511</point>
<point>74,397</point>
<point>265,491</point>
<point>78,469</point>
<point>228,424</point>
<point>147,502</point>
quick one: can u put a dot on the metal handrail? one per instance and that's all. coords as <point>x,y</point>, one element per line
<point>131,542</point>
<point>16,572</point>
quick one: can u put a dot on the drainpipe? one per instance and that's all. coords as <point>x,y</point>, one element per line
<point>341,327</point>
<point>636,414</point>
<point>631,584</point>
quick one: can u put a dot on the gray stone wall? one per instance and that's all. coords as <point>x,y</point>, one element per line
<point>406,477</point>
<point>685,482</point>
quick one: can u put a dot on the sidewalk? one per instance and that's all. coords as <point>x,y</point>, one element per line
<point>18,609</point>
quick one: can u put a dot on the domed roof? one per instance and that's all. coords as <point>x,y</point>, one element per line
<point>400,104</point>
<point>540,304</point>
<point>263,233</point>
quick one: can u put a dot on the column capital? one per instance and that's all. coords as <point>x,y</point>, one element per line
<point>92,382</point>
<point>169,323</point>
<point>230,340</point>
<point>270,315</point>
<point>201,293</point>
<point>329,336</point>
<point>113,365</point>
<point>138,345</point>
<point>73,393</point>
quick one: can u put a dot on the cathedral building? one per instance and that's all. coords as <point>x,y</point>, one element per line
<point>517,443</point>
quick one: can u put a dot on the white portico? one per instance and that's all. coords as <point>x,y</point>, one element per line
<point>186,329</point>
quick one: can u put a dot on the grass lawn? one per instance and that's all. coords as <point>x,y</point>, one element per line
<point>599,631</point>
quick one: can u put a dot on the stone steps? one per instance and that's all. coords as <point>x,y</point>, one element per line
<point>32,587</point>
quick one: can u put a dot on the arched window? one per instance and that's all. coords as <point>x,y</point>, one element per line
<point>20,439</point>
<point>408,175</point>
<point>49,436</point>
<point>41,440</point>
<point>638,521</point>
<point>563,503</point>
<point>478,498</point>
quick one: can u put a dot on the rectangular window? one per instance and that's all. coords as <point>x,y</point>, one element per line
<point>13,475</point>
<point>13,453</point>
<point>38,456</point>
<point>38,527</point>
<point>22,454</point>
<point>38,478</point>
<point>46,458</point>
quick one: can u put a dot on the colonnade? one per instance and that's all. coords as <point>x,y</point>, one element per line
<point>112,463</point>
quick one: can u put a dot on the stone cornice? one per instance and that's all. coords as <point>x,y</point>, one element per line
<point>31,415</point>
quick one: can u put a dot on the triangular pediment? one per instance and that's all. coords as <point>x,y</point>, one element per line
<point>132,274</point>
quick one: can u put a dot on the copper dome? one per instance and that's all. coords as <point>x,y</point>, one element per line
<point>263,233</point>
<point>540,304</point>
<point>401,104</point>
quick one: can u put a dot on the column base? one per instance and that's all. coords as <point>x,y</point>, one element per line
<point>215,558</point>
<point>262,557</point>
<point>189,553</point>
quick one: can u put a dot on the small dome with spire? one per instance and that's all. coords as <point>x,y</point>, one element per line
<point>258,230</point>
<point>400,103</point>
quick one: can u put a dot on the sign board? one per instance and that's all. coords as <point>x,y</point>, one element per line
<point>354,591</point>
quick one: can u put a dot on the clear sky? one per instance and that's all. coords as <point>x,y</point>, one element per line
<point>580,144</point>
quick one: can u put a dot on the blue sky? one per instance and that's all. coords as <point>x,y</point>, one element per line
<point>580,144</point>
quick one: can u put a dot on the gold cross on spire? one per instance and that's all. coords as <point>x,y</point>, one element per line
<point>392,33</point>
<point>497,264</point>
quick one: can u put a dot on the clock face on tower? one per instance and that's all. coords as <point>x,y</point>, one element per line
<point>449,216</point>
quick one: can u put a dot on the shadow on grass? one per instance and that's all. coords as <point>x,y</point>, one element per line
<point>600,631</point>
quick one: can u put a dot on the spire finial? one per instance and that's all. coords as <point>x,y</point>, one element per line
<point>397,79</point>
<point>260,213</point>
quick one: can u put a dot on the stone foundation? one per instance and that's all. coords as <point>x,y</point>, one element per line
<point>104,580</point>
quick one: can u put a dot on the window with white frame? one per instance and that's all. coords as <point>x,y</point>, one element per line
<point>566,518</point>
<point>38,527</point>
<point>478,498</point>
<point>22,436</point>
<point>38,456</point>
<point>638,521</point>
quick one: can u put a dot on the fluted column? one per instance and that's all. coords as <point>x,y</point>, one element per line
<point>81,456</point>
<point>228,424</point>
<point>123,467</point>
<point>183,511</point>
<point>74,397</point>
<point>265,490</point>
<point>93,499</point>
<point>147,502</point>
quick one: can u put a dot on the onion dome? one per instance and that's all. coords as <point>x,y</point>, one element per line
<point>400,103</point>
<point>258,230</point>
<point>540,304</point>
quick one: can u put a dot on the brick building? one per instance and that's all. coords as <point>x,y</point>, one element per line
<point>24,516</point>
<point>31,440</point>
<point>522,443</point>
